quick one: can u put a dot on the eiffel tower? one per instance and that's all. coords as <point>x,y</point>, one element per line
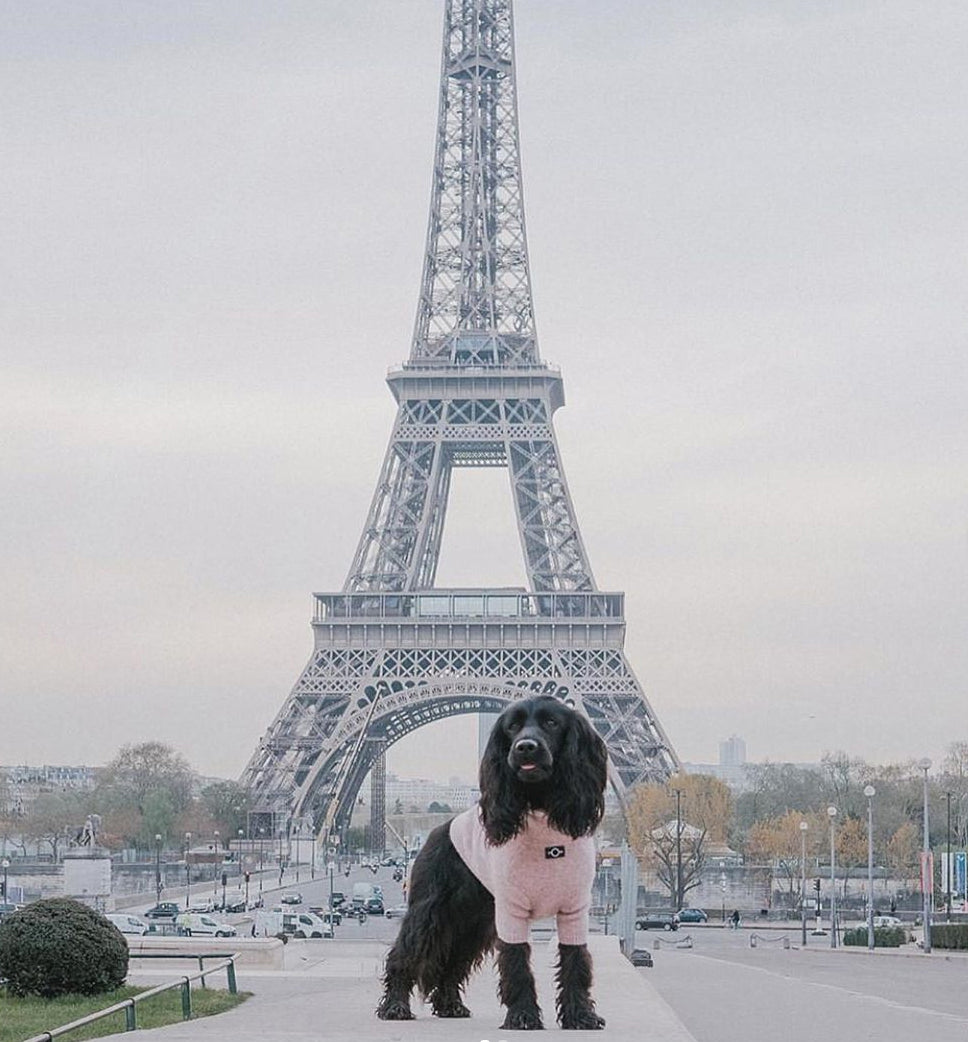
<point>392,652</point>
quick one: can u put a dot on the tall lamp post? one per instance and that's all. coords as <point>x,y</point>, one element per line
<point>803,882</point>
<point>158,867</point>
<point>869,793</point>
<point>832,814</point>
<point>927,874</point>
<point>218,862</point>
<point>188,870</point>
<point>241,834</point>
<point>262,833</point>
<point>678,793</point>
<point>298,832</point>
<point>5,864</point>
<point>947,863</point>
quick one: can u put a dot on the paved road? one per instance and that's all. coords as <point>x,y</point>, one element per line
<point>724,991</point>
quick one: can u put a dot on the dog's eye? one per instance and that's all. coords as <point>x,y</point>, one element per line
<point>551,724</point>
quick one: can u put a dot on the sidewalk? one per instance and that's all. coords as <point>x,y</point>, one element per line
<point>330,992</point>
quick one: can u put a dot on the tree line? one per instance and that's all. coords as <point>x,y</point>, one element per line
<point>147,790</point>
<point>674,827</point>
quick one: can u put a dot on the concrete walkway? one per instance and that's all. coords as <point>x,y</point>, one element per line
<point>330,991</point>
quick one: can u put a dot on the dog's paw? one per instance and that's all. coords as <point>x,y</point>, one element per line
<point>582,1020</point>
<point>522,1020</point>
<point>451,1009</point>
<point>394,1009</point>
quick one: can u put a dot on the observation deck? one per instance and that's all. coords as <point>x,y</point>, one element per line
<point>497,617</point>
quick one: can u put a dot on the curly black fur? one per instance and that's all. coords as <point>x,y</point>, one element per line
<point>541,755</point>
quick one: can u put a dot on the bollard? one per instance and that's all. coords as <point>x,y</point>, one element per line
<point>230,973</point>
<point>130,1017</point>
<point>186,996</point>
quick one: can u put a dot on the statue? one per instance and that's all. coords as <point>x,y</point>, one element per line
<point>87,837</point>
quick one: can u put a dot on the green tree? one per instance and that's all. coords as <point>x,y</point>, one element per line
<point>143,791</point>
<point>227,803</point>
<point>54,819</point>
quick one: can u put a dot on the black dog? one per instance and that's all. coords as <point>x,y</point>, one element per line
<point>542,785</point>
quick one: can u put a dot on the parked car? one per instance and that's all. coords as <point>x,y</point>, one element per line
<point>128,923</point>
<point>202,904</point>
<point>692,915</point>
<point>640,957</point>
<point>189,924</point>
<point>234,904</point>
<point>656,921</point>
<point>291,899</point>
<point>164,910</point>
<point>887,920</point>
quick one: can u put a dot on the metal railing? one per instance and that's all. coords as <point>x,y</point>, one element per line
<point>783,940</point>
<point>130,1006</point>
<point>493,605</point>
<point>672,942</point>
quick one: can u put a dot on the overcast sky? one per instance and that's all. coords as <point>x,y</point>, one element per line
<point>748,227</point>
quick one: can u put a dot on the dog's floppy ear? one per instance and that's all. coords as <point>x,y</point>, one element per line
<point>503,803</point>
<point>577,799</point>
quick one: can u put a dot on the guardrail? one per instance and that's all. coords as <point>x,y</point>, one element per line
<point>784,940</point>
<point>130,1006</point>
<point>672,942</point>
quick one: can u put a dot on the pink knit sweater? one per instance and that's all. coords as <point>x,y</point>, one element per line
<point>541,872</point>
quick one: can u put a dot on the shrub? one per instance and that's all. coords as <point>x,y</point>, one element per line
<point>60,947</point>
<point>884,936</point>
<point>949,935</point>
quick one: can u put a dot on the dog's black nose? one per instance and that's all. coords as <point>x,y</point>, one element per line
<point>526,746</point>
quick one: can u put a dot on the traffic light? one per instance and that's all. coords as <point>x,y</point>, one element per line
<point>816,886</point>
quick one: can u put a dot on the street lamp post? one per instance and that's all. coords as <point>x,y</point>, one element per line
<point>803,882</point>
<point>947,864</point>
<point>158,867</point>
<point>927,875</point>
<point>678,793</point>
<point>188,870</point>
<point>218,862</point>
<point>312,864</point>
<point>832,813</point>
<point>869,793</point>
<point>5,864</point>
<point>262,833</point>
<point>298,832</point>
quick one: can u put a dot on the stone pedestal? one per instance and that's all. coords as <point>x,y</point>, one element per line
<point>87,875</point>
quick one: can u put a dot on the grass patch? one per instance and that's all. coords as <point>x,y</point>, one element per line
<point>23,1018</point>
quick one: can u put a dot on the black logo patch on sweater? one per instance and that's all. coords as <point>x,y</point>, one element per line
<point>555,852</point>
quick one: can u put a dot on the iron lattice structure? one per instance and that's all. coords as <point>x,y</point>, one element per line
<point>391,651</point>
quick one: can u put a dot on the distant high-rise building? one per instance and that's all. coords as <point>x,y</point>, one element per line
<point>732,752</point>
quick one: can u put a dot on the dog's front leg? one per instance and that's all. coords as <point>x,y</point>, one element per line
<point>576,1008</point>
<point>516,988</point>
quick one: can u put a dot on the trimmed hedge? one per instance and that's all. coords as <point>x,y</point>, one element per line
<point>61,947</point>
<point>949,935</point>
<point>884,936</point>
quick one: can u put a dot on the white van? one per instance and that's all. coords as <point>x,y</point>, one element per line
<point>189,924</point>
<point>128,923</point>
<point>295,924</point>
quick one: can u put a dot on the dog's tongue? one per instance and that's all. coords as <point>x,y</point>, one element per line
<point>528,766</point>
